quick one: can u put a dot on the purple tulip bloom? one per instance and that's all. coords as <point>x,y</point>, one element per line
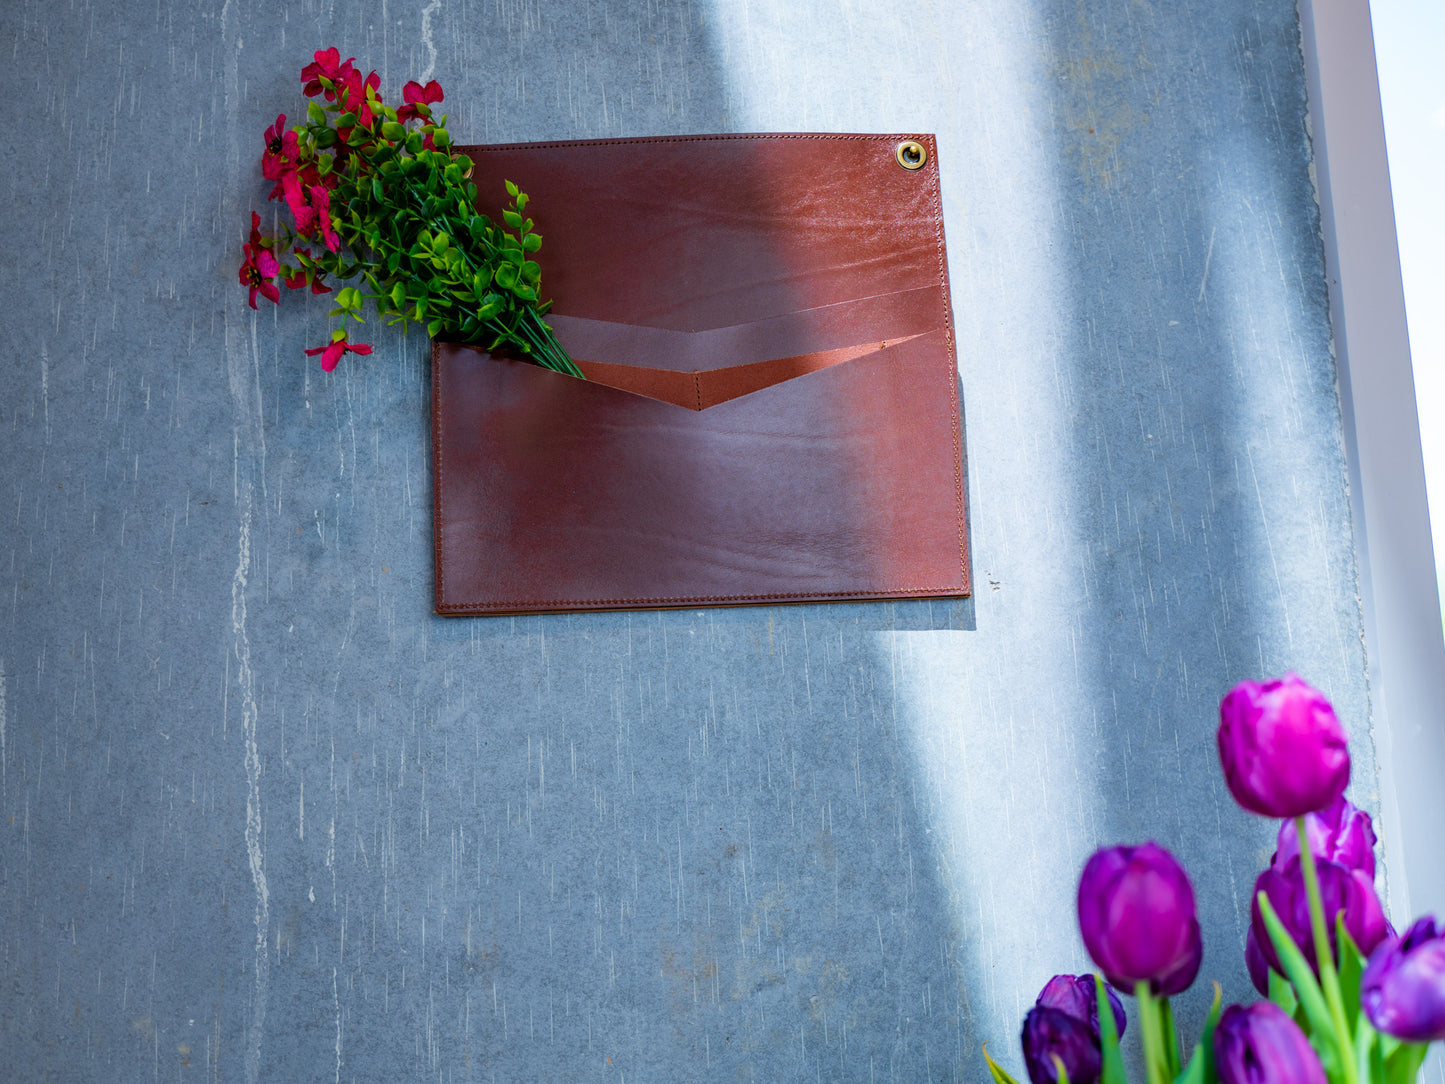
<point>1340,833</point>
<point>1260,1044</point>
<point>1050,1033</point>
<point>1282,748</point>
<point>1403,987</point>
<point>1077,995</point>
<point>1255,962</point>
<point>1341,889</point>
<point>1064,1023</point>
<point>1137,916</point>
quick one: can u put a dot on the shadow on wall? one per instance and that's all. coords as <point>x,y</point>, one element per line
<point>1168,407</point>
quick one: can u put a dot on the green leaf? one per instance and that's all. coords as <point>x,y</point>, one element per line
<point>525,292</point>
<point>346,120</point>
<point>1282,993</point>
<point>522,199</point>
<point>512,218</point>
<point>324,139</point>
<point>315,114</point>
<point>1297,970</point>
<point>1200,1069</point>
<point>1112,1070</point>
<point>441,138</point>
<point>443,242</point>
<point>1403,1065</point>
<point>1171,1037</point>
<point>532,272</point>
<point>377,192</point>
<point>463,162</point>
<point>512,189</point>
<point>1352,966</point>
<point>506,276</point>
<point>433,327</point>
<point>532,242</point>
<point>1000,1077</point>
<point>398,296</point>
<point>490,306</point>
<point>393,131</point>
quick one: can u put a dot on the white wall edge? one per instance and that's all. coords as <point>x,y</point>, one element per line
<point>1406,658</point>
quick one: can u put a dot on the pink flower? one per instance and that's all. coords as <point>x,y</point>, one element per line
<point>300,278</point>
<point>331,353</point>
<point>259,268</point>
<point>311,208</point>
<point>419,100</point>
<point>321,200</point>
<point>328,66</point>
<point>282,153</point>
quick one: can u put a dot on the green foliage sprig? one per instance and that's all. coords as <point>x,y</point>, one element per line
<point>393,209</point>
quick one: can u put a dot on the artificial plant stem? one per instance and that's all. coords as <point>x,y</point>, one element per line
<point>1329,978</point>
<point>1154,1056</point>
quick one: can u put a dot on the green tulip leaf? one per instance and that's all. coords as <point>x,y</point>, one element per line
<point>1403,1065</point>
<point>1171,1037</point>
<point>1200,1069</point>
<point>1282,993</point>
<point>1112,1064</point>
<point>997,1071</point>
<point>1352,966</point>
<point>1297,970</point>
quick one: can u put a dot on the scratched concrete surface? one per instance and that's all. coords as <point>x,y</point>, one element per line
<point>264,817</point>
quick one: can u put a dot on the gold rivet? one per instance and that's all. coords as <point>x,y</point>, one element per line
<point>911,154</point>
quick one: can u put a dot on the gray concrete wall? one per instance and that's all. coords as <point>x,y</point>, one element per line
<point>264,817</point>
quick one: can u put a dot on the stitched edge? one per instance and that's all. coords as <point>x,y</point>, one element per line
<point>438,512</point>
<point>467,148</point>
<point>955,434</point>
<point>511,604</point>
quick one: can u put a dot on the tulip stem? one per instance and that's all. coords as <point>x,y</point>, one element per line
<point>1324,956</point>
<point>1155,1059</point>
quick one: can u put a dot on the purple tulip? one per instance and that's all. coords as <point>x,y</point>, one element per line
<point>1255,963</point>
<point>1282,748</point>
<point>1260,1044</point>
<point>1341,889</point>
<point>1136,912</point>
<point>1077,996</point>
<point>1403,987</point>
<point>1340,833</point>
<point>1050,1033</point>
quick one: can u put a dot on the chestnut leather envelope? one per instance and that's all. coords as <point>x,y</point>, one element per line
<point>771,411</point>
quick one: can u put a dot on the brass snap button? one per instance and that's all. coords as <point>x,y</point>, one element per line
<point>911,154</point>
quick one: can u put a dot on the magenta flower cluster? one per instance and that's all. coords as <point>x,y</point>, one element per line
<point>305,179</point>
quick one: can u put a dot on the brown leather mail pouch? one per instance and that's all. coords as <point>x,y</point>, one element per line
<point>771,411</point>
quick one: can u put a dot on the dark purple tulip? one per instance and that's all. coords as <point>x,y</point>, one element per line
<point>1340,833</point>
<point>1341,889</point>
<point>1260,1044</point>
<point>1136,912</point>
<point>1050,1033</point>
<point>1403,987</point>
<point>1255,962</point>
<point>1282,749</point>
<point>1077,996</point>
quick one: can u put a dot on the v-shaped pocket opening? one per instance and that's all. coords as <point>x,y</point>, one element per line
<point>700,389</point>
